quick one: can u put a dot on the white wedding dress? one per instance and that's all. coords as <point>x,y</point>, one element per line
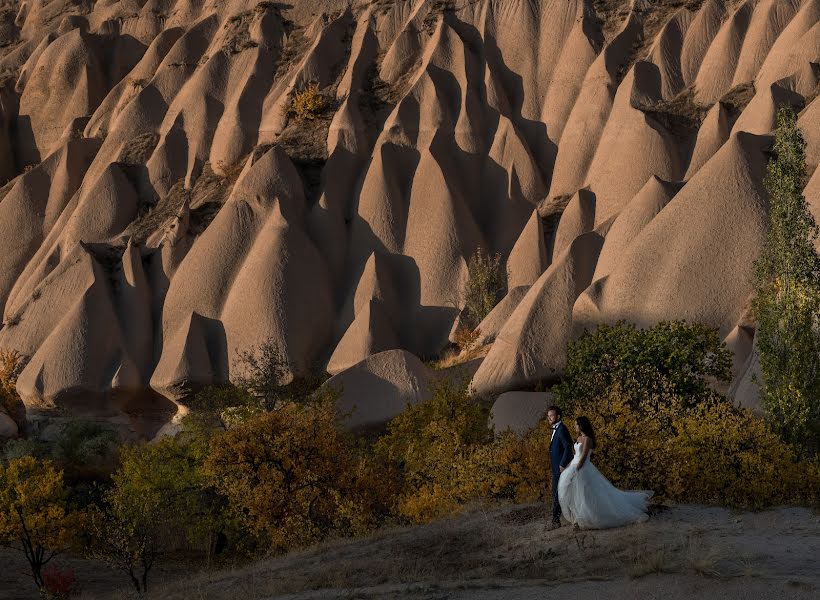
<point>590,501</point>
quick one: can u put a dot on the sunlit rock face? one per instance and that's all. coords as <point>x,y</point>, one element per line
<point>165,210</point>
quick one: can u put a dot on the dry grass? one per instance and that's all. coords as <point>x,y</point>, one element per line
<point>457,356</point>
<point>138,150</point>
<point>504,547</point>
<point>681,116</point>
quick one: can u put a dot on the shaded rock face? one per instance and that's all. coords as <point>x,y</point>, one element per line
<point>164,211</point>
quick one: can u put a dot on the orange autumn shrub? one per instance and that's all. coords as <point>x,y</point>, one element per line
<point>294,478</point>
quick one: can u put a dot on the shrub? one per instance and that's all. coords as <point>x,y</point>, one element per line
<point>515,468</point>
<point>308,103</point>
<point>264,373</point>
<point>293,478</point>
<point>632,436</point>
<point>59,584</point>
<point>676,358</point>
<point>711,453</point>
<point>432,444</point>
<point>86,449</point>
<point>33,513</point>
<point>787,302</point>
<point>725,455</point>
<point>486,285</point>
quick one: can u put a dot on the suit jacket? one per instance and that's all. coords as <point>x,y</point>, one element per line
<point>560,449</point>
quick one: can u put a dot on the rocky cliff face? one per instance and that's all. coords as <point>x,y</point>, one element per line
<point>164,210</point>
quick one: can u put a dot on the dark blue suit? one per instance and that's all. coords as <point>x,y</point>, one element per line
<point>560,456</point>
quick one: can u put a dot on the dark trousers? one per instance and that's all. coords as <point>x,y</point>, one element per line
<point>556,506</point>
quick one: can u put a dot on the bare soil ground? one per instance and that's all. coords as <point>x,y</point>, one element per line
<point>505,552</point>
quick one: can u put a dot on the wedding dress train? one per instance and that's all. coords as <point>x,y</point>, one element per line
<point>589,500</point>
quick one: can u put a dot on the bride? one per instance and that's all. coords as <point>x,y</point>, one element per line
<point>587,498</point>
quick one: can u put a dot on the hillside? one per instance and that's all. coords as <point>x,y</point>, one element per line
<point>504,552</point>
<point>166,209</point>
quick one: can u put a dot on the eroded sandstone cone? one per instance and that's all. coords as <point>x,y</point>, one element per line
<point>166,209</point>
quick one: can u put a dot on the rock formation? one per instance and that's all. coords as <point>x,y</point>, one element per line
<point>165,211</point>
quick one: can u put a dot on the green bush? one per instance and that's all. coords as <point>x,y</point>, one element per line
<point>673,357</point>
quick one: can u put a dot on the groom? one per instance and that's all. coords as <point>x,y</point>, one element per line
<point>560,457</point>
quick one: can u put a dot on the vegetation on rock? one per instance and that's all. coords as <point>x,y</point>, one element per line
<point>486,285</point>
<point>308,103</point>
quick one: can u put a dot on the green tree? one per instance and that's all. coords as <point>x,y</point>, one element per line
<point>787,302</point>
<point>159,499</point>
<point>33,513</point>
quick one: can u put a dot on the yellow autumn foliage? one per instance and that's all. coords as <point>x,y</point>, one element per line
<point>294,478</point>
<point>33,513</point>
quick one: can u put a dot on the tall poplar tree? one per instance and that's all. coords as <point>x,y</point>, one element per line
<point>787,303</point>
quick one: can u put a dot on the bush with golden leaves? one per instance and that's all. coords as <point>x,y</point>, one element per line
<point>515,468</point>
<point>308,103</point>
<point>711,452</point>
<point>294,478</point>
<point>726,455</point>
<point>433,445</point>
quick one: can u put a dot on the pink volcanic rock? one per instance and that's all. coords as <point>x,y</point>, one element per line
<point>8,428</point>
<point>370,333</point>
<point>699,37</point>
<point>713,133</point>
<point>519,412</point>
<point>253,278</point>
<point>494,322</point>
<point>740,343</point>
<point>782,59</point>
<point>717,71</point>
<point>32,206</point>
<point>633,146</point>
<point>745,387</point>
<point>380,387</point>
<point>444,129</point>
<point>528,258</point>
<point>646,204</point>
<point>700,272</point>
<point>770,17</point>
<point>578,217</point>
<point>531,346</point>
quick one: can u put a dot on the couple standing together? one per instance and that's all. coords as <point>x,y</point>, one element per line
<point>579,490</point>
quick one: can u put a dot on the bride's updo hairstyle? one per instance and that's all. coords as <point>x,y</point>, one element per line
<point>586,428</point>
